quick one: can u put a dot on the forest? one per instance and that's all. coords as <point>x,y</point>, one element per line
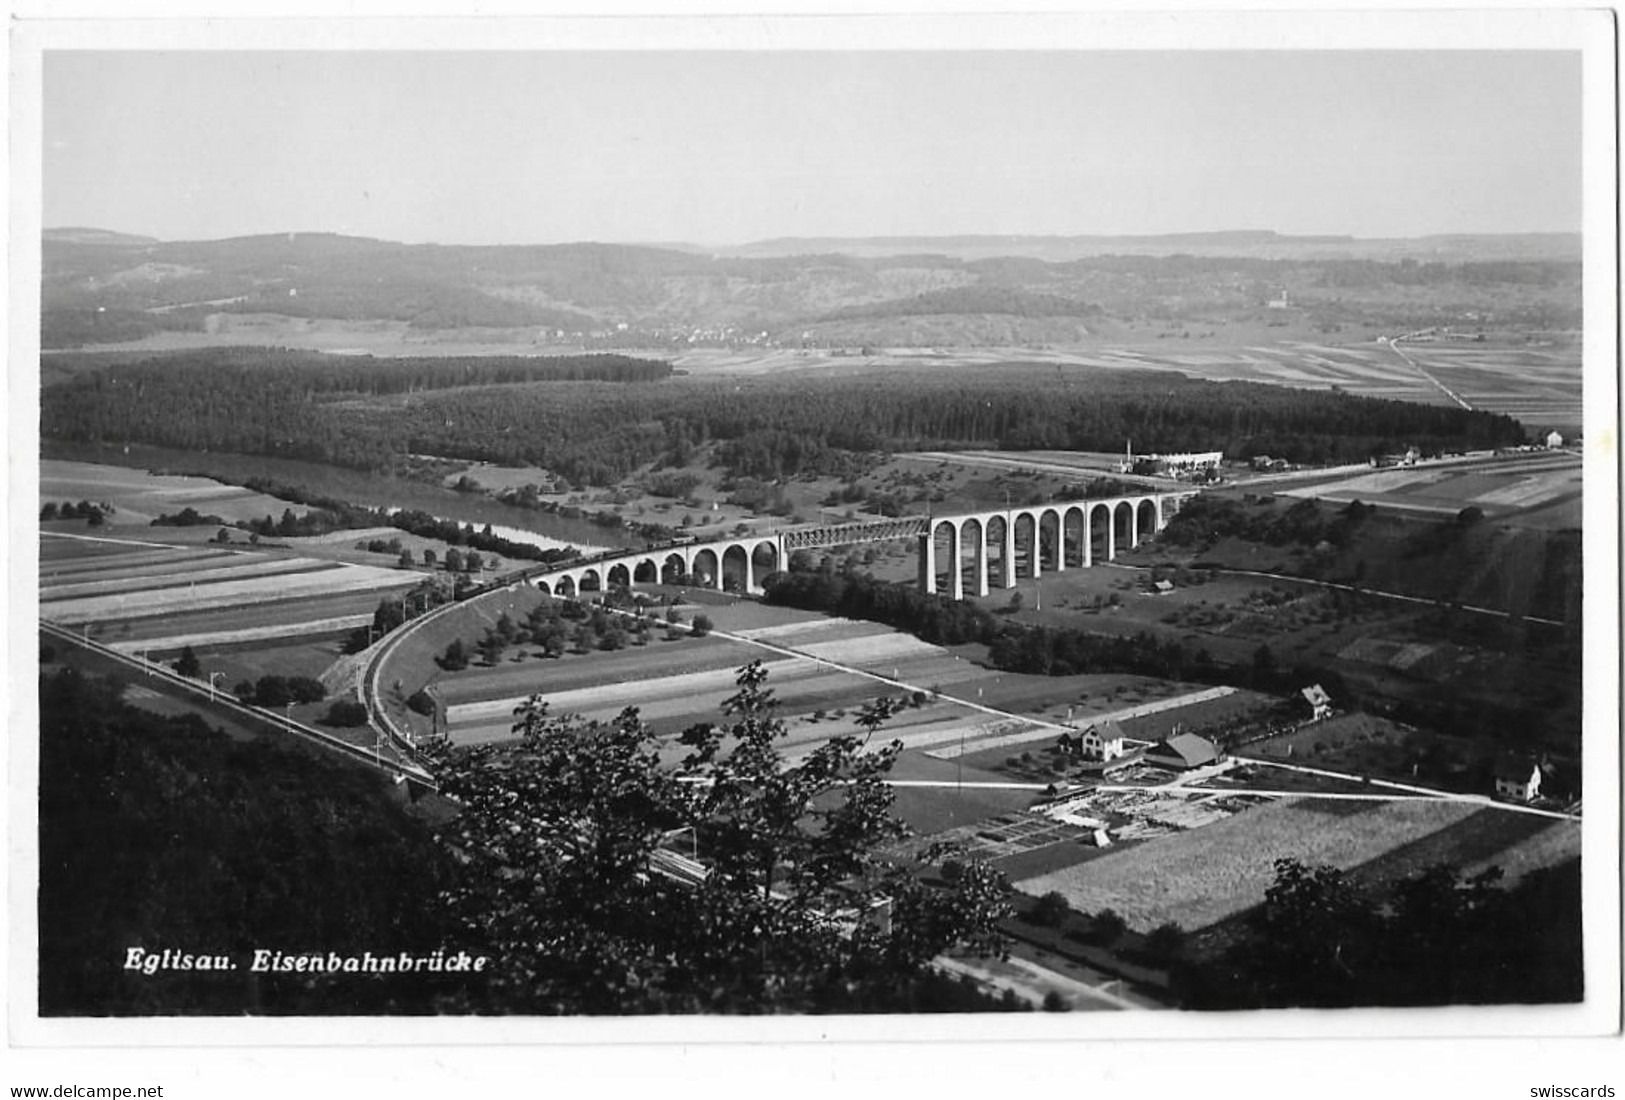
<point>276,848</point>
<point>597,419</point>
<point>280,848</point>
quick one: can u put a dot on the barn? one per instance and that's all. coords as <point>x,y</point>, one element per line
<point>1182,752</point>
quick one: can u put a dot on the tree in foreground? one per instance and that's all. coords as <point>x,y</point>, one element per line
<point>790,905</point>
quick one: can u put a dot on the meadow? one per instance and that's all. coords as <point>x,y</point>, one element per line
<point>1200,876</point>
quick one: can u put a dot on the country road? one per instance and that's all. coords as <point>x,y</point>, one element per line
<point>1423,371</point>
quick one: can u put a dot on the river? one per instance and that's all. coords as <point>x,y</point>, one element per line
<point>357,487</point>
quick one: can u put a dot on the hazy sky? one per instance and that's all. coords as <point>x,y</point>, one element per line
<point>722,148</point>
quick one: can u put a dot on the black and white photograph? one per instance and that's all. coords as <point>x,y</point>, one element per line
<point>814,529</point>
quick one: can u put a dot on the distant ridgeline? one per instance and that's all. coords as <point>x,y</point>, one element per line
<point>595,419</point>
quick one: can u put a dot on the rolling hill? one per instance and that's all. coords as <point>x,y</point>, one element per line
<point>101,287</point>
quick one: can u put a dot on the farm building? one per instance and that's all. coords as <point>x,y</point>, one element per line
<point>1162,588</point>
<point>1182,752</point>
<point>1320,704</point>
<point>1409,458</point>
<point>1103,741</point>
<point>1554,440</point>
<point>1517,777</point>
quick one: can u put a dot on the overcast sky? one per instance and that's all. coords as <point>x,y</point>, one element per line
<point>724,148</point>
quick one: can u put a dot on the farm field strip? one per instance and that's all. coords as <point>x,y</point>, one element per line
<point>714,682</point>
<point>140,581</point>
<point>292,612</point>
<point>1477,837</point>
<point>63,547</point>
<point>125,555</point>
<point>1121,715</point>
<point>787,632</point>
<point>353,578</point>
<point>302,629</point>
<point>870,648</point>
<point>116,568</point>
<point>348,536</point>
<point>1198,877</point>
<point>820,689</point>
<point>1547,848</point>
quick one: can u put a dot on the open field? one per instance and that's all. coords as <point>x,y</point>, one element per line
<point>1200,876</point>
<point>140,497</point>
<point>143,602</point>
<point>1490,837</point>
<point>1543,490</point>
<point>142,597</point>
<point>130,581</point>
<point>1538,386</point>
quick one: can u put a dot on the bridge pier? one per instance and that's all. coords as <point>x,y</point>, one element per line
<point>1007,564</point>
<point>928,562</point>
<point>981,559</point>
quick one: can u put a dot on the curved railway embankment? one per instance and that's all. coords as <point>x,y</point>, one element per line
<point>403,661</point>
<point>225,701</point>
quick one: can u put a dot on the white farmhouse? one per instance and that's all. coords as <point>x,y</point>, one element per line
<point>1517,777</point>
<point>1102,742</point>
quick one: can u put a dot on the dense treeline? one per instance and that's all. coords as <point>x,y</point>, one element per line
<point>1204,520</point>
<point>1324,939</point>
<point>981,298</point>
<point>594,432</point>
<point>74,328</point>
<point>251,369</point>
<point>158,832</point>
<point>933,617</point>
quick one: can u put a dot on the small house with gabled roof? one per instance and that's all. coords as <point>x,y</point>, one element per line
<point>1103,741</point>
<point>1320,704</point>
<point>1517,777</point>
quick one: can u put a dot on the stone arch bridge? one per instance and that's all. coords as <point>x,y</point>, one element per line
<point>1005,544</point>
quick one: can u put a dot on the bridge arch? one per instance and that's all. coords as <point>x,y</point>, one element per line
<point>707,568</point>
<point>972,545</point>
<point>1147,519</point>
<point>764,560</point>
<point>673,569</point>
<point>1049,540</point>
<point>1025,524</point>
<point>1002,545</point>
<point>1074,536</point>
<point>620,575</point>
<point>734,568</point>
<point>646,571</point>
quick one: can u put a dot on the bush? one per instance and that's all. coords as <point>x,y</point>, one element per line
<point>1050,910</point>
<point>701,626</point>
<point>1166,941</point>
<point>421,702</point>
<point>1108,926</point>
<point>1054,1002</point>
<point>952,870</point>
<point>456,656</point>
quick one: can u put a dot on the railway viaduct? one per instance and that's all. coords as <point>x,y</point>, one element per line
<point>1005,544</point>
